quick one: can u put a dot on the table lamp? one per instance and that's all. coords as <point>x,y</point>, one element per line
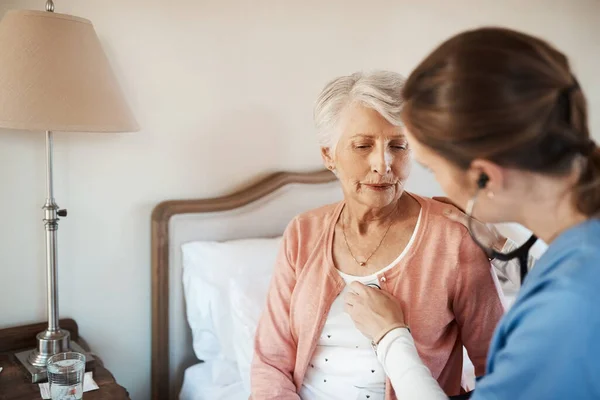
<point>54,76</point>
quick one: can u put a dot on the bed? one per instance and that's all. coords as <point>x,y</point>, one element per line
<point>261,210</point>
<point>193,236</point>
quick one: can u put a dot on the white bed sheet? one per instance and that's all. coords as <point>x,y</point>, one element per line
<point>213,380</point>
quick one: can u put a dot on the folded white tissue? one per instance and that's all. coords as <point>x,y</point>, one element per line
<point>88,385</point>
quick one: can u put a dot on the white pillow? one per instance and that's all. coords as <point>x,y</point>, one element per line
<point>208,269</point>
<point>248,300</point>
<point>212,380</point>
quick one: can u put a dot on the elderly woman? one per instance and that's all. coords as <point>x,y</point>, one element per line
<point>380,235</point>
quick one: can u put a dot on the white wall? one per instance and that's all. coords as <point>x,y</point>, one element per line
<point>223,91</point>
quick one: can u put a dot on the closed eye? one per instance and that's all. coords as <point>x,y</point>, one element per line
<point>398,144</point>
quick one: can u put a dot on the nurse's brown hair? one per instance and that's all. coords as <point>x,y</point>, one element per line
<point>507,97</point>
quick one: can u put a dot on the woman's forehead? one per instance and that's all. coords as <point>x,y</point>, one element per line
<point>358,120</point>
<point>390,134</point>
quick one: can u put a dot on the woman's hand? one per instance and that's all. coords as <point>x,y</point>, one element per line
<point>488,235</point>
<point>373,311</point>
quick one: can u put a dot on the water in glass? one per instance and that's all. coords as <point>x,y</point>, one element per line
<point>65,376</point>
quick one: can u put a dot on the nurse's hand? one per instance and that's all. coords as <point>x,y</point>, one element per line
<point>374,311</point>
<point>487,234</point>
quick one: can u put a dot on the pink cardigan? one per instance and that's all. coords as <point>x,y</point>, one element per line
<point>445,284</point>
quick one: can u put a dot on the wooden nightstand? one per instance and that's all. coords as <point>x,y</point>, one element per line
<point>14,384</point>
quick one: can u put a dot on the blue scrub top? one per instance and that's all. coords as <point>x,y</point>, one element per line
<point>547,346</point>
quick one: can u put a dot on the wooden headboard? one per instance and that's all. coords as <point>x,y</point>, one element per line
<point>259,210</point>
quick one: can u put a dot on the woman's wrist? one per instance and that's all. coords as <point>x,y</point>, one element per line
<point>378,337</point>
<point>390,334</point>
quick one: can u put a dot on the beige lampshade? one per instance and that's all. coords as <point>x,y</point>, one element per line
<point>55,76</point>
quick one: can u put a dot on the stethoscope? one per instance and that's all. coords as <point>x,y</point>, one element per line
<point>522,253</point>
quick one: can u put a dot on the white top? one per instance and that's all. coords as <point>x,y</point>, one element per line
<point>344,365</point>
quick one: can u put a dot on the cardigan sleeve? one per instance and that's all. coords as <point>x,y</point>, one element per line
<point>477,302</point>
<point>274,347</point>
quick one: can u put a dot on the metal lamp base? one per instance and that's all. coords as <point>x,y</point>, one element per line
<point>38,374</point>
<point>49,343</point>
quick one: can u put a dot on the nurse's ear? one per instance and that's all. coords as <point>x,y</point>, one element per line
<point>487,176</point>
<point>483,180</point>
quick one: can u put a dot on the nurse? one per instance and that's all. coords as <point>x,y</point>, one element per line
<point>501,121</point>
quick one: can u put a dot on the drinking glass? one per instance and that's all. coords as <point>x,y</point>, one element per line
<point>65,375</point>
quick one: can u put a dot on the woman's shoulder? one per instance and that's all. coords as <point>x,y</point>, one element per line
<point>435,220</point>
<point>308,232</point>
<point>325,211</point>
<point>314,222</point>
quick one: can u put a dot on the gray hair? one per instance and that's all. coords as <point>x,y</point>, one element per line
<point>379,90</point>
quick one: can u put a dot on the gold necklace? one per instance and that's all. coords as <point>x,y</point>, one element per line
<point>363,263</point>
